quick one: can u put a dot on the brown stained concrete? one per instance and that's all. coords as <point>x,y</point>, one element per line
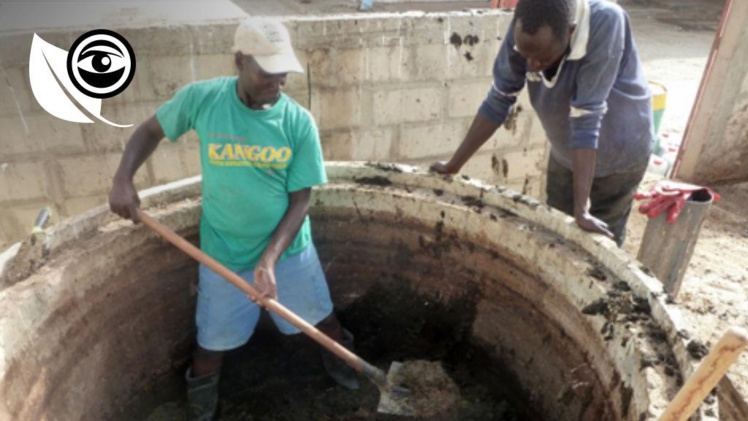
<point>107,309</point>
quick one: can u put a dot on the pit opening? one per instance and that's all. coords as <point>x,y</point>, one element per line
<point>532,318</point>
<point>277,377</point>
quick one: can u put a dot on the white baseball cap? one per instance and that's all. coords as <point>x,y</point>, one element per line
<point>267,40</point>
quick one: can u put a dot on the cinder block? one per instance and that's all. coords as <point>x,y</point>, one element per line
<point>466,97</point>
<point>213,38</point>
<point>482,166</point>
<point>350,66</point>
<point>320,67</point>
<point>16,48</point>
<point>408,105</point>
<point>372,144</point>
<point>359,31</point>
<point>305,33</point>
<point>431,140</point>
<point>77,205</point>
<point>211,66</point>
<point>529,186</point>
<point>300,82</point>
<point>38,133</point>
<point>525,163</point>
<point>190,150</point>
<point>157,78</point>
<point>10,230</point>
<point>300,96</point>
<point>166,163</point>
<point>160,40</point>
<point>339,108</point>
<point>16,93</point>
<point>23,181</point>
<point>17,221</point>
<point>469,61</point>
<point>92,175</point>
<point>430,62</point>
<point>388,64</point>
<point>336,145</point>
<point>100,137</point>
<point>425,30</point>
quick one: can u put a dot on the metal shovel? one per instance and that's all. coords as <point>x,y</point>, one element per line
<point>393,398</point>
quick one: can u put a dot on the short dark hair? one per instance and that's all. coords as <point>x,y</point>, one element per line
<point>534,14</point>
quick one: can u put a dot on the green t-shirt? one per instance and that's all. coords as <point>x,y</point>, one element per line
<point>251,160</point>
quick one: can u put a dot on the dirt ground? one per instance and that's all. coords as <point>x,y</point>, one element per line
<point>674,40</point>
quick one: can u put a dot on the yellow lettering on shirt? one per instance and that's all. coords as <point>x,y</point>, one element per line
<point>242,155</point>
<point>213,151</point>
<point>239,151</point>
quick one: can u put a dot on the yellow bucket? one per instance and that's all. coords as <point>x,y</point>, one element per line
<point>659,99</point>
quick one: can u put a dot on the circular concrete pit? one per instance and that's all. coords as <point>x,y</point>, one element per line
<point>531,318</point>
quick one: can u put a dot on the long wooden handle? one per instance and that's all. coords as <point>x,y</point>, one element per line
<point>270,304</point>
<point>709,373</point>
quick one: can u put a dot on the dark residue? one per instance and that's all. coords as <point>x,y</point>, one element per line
<point>646,270</point>
<point>375,181</point>
<point>495,164</point>
<point>456,40</point>
<point>683,333</point>
<point>473,202</point>
<point>697,349</point>
<point>597,273</point>
<point>598,307</point>
<point>471,40</point>
<point>385,167</point>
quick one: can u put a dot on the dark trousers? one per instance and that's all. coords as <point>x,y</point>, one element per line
<point>611,197</point>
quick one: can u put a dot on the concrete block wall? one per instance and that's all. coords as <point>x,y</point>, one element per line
<point>400,88</point>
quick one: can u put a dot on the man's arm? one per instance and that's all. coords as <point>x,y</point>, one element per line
<point>480,131</point>
<point>123,198</point>
<point>284,234</point>
<point>595,80</point>
<point>509,79</point>
<point>583,167</point>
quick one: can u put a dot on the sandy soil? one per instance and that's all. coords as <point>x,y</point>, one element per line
<point>713,294</point>
<point>674,40</point>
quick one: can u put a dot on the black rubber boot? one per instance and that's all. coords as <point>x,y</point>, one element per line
<point>337,368</point>
<point>202,397</point>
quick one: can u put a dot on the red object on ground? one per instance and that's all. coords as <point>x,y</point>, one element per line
<point>669,196</point>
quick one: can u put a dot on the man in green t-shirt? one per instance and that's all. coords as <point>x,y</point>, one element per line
<point>260,155</point>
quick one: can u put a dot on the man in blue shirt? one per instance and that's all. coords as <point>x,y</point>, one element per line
<point>585,82</point>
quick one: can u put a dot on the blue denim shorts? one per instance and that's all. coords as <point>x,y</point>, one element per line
<point>226,317</point>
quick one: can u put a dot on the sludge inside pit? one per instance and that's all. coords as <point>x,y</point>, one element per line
<point>529,317</point>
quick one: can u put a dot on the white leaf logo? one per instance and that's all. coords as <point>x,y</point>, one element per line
<point>90,65</point>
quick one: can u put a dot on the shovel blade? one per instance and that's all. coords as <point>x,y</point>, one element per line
<point>393,398</point>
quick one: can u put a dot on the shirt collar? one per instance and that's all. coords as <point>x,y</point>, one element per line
<point>582,31</point>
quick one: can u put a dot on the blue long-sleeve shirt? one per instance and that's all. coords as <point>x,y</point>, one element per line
<point>599,97</point>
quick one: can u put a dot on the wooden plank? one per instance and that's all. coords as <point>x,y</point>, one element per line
<point>711,97</point>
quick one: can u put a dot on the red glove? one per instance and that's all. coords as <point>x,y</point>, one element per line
<point>670,196</point>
